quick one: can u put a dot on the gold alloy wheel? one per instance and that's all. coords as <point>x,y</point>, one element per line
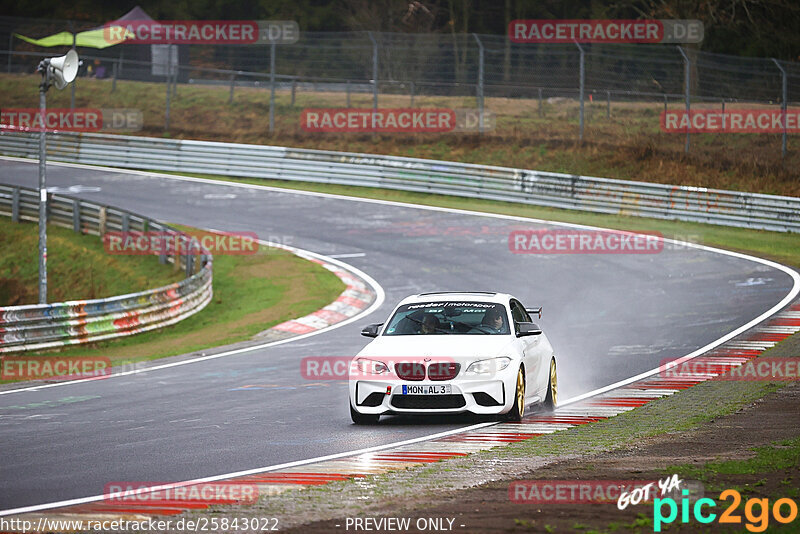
<point>553,381</point>
<point>520,393</point>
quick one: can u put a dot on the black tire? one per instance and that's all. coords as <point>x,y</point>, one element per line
<point>363,418</point>
<point>551,399</point>
<point>518,409</point>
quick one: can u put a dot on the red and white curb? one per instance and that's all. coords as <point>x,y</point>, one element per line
<point>378,460</point>
<point>354,299</point>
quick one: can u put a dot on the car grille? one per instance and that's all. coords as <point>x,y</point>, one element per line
<point>425,402</point>
<point>443,370</point>
<point>410,371</point>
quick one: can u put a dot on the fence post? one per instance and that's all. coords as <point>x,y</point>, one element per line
<point>15,205</point>
<point>374,78</point>
<point>76,216</point>
<point>114,76</point>
<point>784,96</point>
<point>479,87</point>
<point>347,90</point>
<point>166,111</point>
<point>233,82</point>
<point>272,88</point>
<point>294,88</point>
<point>163,244</point>
<point>10,48</point>
<point>412,94</point>
<point>608,104</point>
<point>582,88</point>
<point>687,77</point>
<point>541,109</point>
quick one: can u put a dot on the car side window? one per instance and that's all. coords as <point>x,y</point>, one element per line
<point>518,313</point>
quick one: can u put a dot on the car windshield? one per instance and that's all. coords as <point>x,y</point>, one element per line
<point>437,318</point>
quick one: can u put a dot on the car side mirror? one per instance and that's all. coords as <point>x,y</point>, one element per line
<point>528,329</point>
<point>371,330</point>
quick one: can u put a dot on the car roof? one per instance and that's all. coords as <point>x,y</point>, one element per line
<point>450,296</point>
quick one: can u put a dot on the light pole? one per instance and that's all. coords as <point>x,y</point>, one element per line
<point>58,71</point>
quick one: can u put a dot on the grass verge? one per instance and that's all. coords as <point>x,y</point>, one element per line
<point>251,293</point>
<point>78,267</point>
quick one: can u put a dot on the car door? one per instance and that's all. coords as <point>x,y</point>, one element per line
<point>530,347</point>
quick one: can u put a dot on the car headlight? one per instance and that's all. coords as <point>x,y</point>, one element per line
<point>366,366</point>
<point>485,367</point>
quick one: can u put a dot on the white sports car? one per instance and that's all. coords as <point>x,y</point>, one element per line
<point>452,353</point>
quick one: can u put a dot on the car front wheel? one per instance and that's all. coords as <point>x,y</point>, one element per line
<point>551,399</point>
<point>518,410</point>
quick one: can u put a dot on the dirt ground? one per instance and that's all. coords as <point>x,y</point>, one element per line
<point>488,508</point>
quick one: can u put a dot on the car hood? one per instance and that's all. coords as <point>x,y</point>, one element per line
<point>461,347</point>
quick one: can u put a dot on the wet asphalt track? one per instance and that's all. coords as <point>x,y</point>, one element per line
<point>608,317</point>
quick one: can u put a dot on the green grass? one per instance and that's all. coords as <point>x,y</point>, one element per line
<point>769,459</point>
<point>78,267</point>
<point>778,246</point>
<point>251,292</point>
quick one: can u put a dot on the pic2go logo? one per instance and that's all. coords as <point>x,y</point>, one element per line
<point>756,511</point>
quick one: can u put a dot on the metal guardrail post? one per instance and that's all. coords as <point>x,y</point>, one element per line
<point>126,222</point>
<point>374,78</point>
<point>76,216</point>
<point>272,88</point>
<point>687,78</point>
<point>102,219</point>
<point>15,205</point>
<point>784,101</point>
<point>479,86</point>
<point>582,87</point>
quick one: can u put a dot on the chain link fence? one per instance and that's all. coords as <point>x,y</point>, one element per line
<point>372,69</point>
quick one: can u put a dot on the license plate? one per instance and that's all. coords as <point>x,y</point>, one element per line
<point>421,389</point>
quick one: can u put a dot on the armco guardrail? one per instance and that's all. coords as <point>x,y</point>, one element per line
<point>41,326</point>
<point>729,208</point>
